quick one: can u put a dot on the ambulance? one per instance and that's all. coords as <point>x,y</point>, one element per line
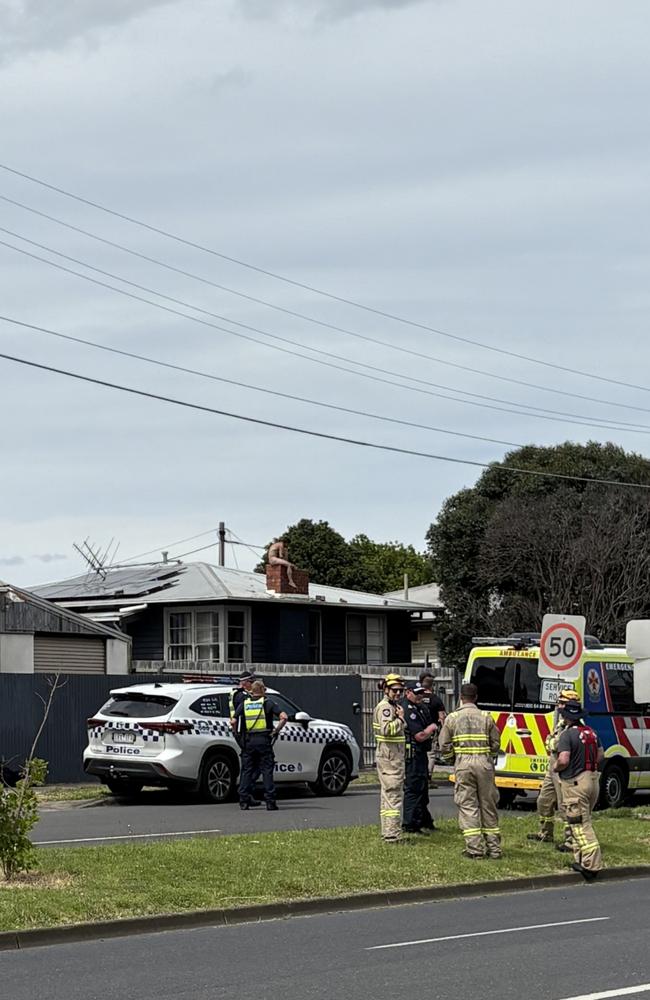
<point>522,705</point>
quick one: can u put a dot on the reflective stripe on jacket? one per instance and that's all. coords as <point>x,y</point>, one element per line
<point>468,732</point>
<point>387,727</point>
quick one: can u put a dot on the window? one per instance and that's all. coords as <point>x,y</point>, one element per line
<point>313,637</point>
<point>509,683</point>
<point>366,638</point>
<point>528,688</point>
<point>283,704</point>
<point>212,635</point>
<point>214,705</point>
<point>236,636</point>
<point>138,706</point>
<point>621,689</point>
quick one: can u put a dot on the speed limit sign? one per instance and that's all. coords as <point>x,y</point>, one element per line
<point>561,646</point>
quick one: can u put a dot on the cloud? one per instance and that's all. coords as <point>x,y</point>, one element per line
<point>12,561</point>
<point>31,25</point>
<point>322,10</point>
<point>50,557</point>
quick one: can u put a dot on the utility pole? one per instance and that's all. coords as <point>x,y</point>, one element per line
<point>222,543</point>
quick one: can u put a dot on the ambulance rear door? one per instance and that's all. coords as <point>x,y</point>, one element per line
<point>522,705</point>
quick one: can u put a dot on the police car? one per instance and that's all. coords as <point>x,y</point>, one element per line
<point>179,735</point>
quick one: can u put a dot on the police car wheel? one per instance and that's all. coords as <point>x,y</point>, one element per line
<point>125,788</point>
<point>333,774</point>
<point>613,787</point>
<point>218,778</point>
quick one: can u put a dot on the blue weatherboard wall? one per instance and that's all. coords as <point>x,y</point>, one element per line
<point>64,737</point>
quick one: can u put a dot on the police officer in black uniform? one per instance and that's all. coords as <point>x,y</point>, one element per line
<point>418,731</point>
<point>238,694</point>
<point>254,719</point>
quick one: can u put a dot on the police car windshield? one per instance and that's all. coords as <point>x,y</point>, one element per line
<point>509,682</point>
<point>137,705</point>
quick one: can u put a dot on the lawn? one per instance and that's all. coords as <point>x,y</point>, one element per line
<point>80,884</point>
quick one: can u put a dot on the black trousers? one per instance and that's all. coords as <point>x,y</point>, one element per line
<point>257,759</point>
<point>416,791</point>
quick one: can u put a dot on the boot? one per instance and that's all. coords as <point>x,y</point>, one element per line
<point>541,837</point>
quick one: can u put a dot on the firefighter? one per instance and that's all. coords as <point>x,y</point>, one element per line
<point>549,801</point>
<point>254,717</point>
<point>419,732</point>
<point>470,740</point>
<point>388,727</point>
<point>579,752</point>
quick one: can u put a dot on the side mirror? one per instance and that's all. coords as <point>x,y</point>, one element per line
<point>356,708</point>
<point>303,718</point>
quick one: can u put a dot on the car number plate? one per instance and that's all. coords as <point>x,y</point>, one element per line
<point>123,737</point>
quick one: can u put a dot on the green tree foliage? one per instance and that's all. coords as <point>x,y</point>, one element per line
<point>514,547</point>
<point>360,564</point>
<point>18,816</point>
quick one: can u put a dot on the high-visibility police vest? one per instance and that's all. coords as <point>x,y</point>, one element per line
<point>231,702</point>
<point>255,715</point>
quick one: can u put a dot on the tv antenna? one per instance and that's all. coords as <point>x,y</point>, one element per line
<point>97,560</point>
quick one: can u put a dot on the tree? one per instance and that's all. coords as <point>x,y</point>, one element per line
<point>514,547</point>
<point>360,564</point>
<point>381,565</point>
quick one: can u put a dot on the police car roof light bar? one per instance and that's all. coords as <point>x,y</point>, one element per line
<point>208,679</point>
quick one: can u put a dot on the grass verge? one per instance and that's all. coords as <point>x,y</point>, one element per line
<point>71,793</point>
<point>85,884</point>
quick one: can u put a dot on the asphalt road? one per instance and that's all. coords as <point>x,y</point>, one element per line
<point>587,942</point>
<point>159,815</point>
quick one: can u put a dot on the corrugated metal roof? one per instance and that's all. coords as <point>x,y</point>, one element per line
<point>427,594</point>
<point>166,583</point>
<point>39,601</point>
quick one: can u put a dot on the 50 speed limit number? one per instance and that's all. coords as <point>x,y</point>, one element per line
<point>561,646</point>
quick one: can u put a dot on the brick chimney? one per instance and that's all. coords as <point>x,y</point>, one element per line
<point>277,579</point>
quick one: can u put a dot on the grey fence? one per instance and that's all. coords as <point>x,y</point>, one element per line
<point>64,737</point>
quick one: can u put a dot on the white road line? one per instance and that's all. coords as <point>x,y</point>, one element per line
<point>503,930</point>
<point>124,836</point>
<point>623,992</point>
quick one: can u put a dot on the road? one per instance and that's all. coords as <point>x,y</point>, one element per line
<point>158,815</point>
<point>587,942</point>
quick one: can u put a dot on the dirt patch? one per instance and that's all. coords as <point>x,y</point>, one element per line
<point>36,880</point>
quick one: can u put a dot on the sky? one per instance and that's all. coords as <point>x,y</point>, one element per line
<point>478,169</point>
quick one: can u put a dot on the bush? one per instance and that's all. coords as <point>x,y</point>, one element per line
<point>18,816</point>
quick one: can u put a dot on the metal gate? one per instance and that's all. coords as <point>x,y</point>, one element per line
<point>370,695</point>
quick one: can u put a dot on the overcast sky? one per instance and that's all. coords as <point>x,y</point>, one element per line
<point>480,168</point>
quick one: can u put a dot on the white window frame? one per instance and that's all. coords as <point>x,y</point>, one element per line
<point>220,609</point>
<point>365,615</point>
<point>317,611</point>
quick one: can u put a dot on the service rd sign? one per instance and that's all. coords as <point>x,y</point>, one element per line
<point>561,646</point>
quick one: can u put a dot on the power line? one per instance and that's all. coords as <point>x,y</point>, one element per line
<point>522,408</point>
<point>537,473</point>
<point>169,545</point>
<point>247,385</point>
<point>319,291</point>
<point>312,319</point>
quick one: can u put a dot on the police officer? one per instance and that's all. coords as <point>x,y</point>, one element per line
<point>436,712</point>
<point>254,718</point>
<point>238,694</point>
<point>470,740</point>
<point>579,752</point>
<point>418,731</point>
<point>549,800</point>
<point>388,727</point>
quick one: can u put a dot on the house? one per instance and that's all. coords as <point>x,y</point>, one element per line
<point>39,637</point>
<point>427,606</point>
<point>184,615</point>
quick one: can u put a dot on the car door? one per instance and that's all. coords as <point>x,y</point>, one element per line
<point>297,748</point>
